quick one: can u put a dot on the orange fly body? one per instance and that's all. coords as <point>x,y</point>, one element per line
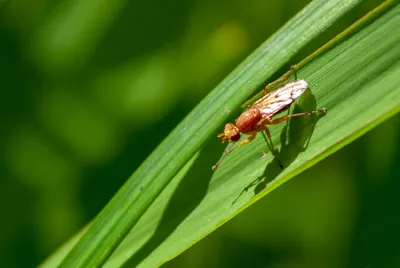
<point>260,113</point>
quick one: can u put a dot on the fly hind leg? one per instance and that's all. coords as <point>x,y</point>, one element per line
<point>282,79</point>
<point>286,117</point>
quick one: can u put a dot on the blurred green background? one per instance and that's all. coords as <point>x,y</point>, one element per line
<point>90,88</point>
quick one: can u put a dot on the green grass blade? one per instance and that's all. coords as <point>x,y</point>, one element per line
<point>126,208</point>
<point>357,81</point>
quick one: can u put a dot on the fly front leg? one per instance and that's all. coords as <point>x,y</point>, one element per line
<point>286,117</point>
<point>282,79</point>
<point>249,139</point>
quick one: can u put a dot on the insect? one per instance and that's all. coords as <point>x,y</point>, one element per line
<point>260,113</point>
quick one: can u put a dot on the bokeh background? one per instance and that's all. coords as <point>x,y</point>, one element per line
<point>90,88</point>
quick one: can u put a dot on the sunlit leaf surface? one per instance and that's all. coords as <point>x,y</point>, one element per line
<point>356,81</point>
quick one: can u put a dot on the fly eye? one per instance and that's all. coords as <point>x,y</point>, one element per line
<point>235,136</point>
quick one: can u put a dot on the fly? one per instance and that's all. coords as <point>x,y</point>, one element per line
<point>260,113</point>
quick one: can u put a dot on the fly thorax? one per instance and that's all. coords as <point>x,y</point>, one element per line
<point>248,120</point>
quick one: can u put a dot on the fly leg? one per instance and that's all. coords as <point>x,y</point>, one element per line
<point>272,84</point>
<point>249,139</point>
<point>286,117</point>
<point>282,79</point>
<point>228,151</point>
<point>272,146</point>
<point>233,147</point>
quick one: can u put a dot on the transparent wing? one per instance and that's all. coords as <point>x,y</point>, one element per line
<point>280,98</point>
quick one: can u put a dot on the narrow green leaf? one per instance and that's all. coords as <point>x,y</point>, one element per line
<point>357,82</point>
<point>127,207</point>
